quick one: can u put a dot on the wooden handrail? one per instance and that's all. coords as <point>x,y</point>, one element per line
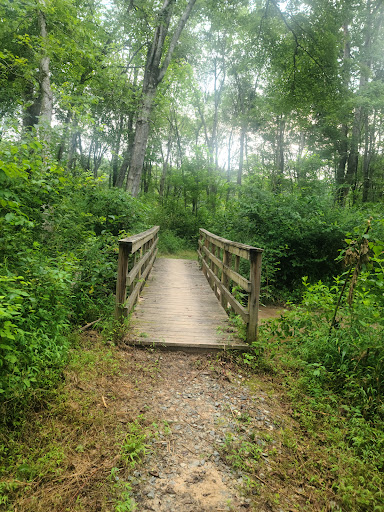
<point>220,261</point>
<point>137,254</point>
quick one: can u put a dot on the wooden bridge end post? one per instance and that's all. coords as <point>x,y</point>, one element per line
<point>253,300</point>
<point>227,257</point>
<point>121,284</point>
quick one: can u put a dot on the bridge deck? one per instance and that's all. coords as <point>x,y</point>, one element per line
<point>177,309</point>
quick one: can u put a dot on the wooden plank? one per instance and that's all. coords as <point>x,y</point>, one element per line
<point>178,308</point>
<point>121,283</point>
<point>239,309</point>
<point>138,266</point>
<point>253,301</point>
<point>225,277</point>
<point>237,264</point>
<point>191,345</point>
<point>135,242</point>
<point>137,289</point>
<point>235,276</point>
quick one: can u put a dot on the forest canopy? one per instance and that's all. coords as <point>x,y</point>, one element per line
<point>166,96</point>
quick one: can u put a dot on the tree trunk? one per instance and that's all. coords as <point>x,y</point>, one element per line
<point>366,162</point>
<point>369,145</point>
<point>218,89</point>
<point>155,68</point>
<point>280,161</point>
<point>72,146</point>
<point>241,156</point>
<point>140,142</point>
<point>61,149</point>
<point>115,158</point>
<point>229,170</point>
<point>45,84</point>
<point>341,189</point>
<point>127,156</point>
<point>32,112</point>
<point>165,167</point>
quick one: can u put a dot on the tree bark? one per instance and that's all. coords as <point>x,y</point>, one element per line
<point>280,161</point>
<point>341,187</point>
<point>165,167</point>
<point>341,190</point>
<point>32,112</point>
<point>45,83</point>
<point>241,156</point>
<point>366,162</point>
<point>115,157</point>
<point>61,148</point>
<point>140,142</point>
<point>155,69</point>
<point>369,151</point>
<point>229,170</point>
<point>73,146</point>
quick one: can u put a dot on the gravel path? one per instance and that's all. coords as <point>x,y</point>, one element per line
<point>204,412</point>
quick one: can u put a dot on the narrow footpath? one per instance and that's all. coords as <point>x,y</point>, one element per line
<point>220,442</point>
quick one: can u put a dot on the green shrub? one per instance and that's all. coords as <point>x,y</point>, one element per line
<point>169,243</point>
<point>301,235</point>
<point>58,263</point>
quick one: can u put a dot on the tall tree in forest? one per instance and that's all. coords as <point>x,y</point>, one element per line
<point>46,95</point>
<point>158,59</point>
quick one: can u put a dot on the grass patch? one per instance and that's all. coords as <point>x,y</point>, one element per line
<point>183,254</point>
<point>336,421</point>
<point>78,450</point>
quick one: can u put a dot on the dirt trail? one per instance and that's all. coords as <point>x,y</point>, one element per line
<point>220,441</point>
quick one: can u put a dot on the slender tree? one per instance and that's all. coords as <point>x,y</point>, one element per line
<point>158,59</point>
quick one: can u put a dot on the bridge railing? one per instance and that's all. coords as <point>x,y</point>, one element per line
<point>220,260</point>
<point>137,254</point>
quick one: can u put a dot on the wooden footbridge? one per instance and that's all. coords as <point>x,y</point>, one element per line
<point>177,308</point>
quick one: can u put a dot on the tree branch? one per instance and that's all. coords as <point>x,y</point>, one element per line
<point>298,45</point>
<point>182,21</point>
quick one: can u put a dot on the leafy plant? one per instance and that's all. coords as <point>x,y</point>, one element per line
<point>134,447</point>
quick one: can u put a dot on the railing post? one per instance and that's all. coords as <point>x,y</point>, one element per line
<point>237,264</point>
<point>253,301</point>
<point>206,244</point>
<point>224,275</point>
<point>121,284</point>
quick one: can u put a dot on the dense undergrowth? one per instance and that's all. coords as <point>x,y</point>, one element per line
<point>300,231</point>
<point>330,351</point>
<point>58,253</point>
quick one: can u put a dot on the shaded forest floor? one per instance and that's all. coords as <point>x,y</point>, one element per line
<point>146,430</point>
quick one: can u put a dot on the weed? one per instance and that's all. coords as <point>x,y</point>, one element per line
<point>134,447</point>
<point>240,453</point>
<point>334,380</point>
<point>124,502</point>
<point>167,428</point>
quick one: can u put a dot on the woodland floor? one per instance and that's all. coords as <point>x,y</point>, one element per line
<point>216,439</point>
